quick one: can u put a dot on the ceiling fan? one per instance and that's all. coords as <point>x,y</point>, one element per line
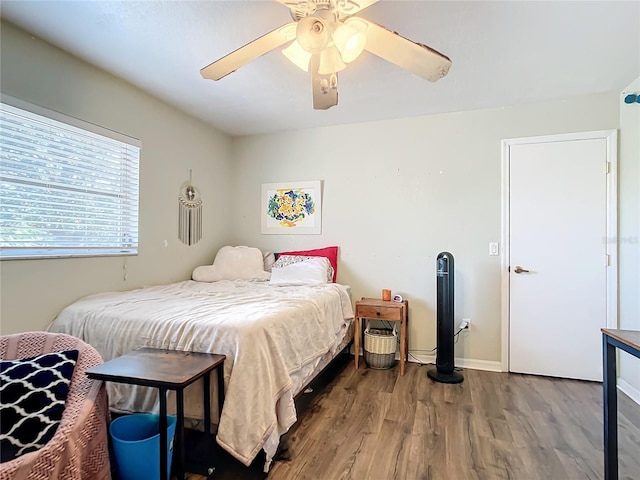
<point>324,37</point>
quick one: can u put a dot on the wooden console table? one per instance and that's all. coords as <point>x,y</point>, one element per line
<point>167,370</point>
<point>628,341</point>
<point>389,311</point>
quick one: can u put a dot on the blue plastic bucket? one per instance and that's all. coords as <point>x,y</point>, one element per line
<point>136,445</point>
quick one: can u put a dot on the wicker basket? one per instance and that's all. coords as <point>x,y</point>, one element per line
<point>380,347</point>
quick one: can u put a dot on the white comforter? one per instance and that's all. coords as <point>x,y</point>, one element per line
<point>267,333</point>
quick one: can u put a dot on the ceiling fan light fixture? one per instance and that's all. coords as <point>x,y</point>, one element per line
<point>298,55</point>
<point>330,61</point>
<point>333,81</point>
<point>312,34</point>
<point>350,39</point>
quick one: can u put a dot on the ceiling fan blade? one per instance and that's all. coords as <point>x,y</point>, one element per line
<point>231,62</point>
<point>414,57</point>
<point>325,87</point>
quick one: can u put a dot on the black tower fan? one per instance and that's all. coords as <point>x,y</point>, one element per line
<point>445,368</point>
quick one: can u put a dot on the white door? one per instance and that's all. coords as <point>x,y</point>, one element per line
<point>558,241</point>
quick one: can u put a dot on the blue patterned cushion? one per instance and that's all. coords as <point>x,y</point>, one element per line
<point>33,392</point>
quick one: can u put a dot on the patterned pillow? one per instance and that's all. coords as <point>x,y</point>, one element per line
<point>284,260</point>
<point>331,253</point>
<point>33,392</point>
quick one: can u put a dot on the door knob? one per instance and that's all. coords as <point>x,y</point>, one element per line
<point>519,269</point>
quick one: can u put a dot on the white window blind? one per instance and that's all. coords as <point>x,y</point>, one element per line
<point>67,188</point>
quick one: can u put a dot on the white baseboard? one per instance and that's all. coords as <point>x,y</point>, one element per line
<point>471,363</point>
<point>632,392</point>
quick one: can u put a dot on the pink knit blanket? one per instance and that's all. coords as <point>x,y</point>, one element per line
<point>79,448</point>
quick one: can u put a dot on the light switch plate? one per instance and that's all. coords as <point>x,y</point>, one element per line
<point>494,249</point>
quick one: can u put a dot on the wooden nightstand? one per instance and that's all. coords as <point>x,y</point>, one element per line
<point>376,309</point>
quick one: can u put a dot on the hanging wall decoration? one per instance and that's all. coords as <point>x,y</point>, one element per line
<point>190,214</point>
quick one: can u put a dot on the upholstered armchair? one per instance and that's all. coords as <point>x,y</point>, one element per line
<point>79,447</point>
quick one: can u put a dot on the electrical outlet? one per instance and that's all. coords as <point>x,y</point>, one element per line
<point>464,323</point>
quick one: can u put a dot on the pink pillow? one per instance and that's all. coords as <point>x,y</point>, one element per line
<point>330,252</point>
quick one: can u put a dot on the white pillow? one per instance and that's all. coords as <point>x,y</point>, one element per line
<point>309,272</point>
<point>284,260</point>
<point>233,263</point>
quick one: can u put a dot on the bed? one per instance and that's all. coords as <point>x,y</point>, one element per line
<point>276,336</point>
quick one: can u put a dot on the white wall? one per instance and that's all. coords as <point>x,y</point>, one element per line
<point>396,193</point>
<point>34,291</point>
<point>629,233</point>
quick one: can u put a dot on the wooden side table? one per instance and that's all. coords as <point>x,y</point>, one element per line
<point>167,370</point>
<point>376,309</point>
<point>627,341</point>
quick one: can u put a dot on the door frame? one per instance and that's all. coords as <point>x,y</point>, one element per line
<point>611,238</point>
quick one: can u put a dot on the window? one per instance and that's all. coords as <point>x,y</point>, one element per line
<point>67,188</point>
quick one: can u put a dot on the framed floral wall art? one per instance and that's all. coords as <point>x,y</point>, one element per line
<point>292,208</point>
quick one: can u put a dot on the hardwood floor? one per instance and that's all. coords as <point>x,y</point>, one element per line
<point>375,424</point>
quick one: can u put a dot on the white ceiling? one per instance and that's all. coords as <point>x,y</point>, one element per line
<point>503,53</point>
